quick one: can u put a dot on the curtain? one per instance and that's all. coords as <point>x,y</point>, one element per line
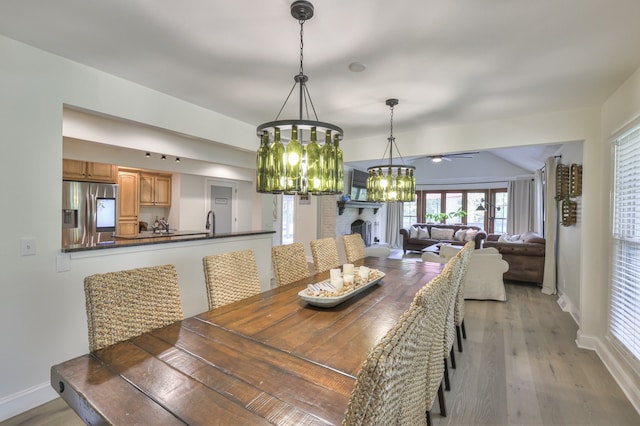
<point>550,228</point>
<point>394,223</point>
<point>538,204</point>
<point>520,209</point>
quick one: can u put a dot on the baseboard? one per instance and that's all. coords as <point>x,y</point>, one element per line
<point>628,385</point>
<point>565,304</point>
<point>27,399</point>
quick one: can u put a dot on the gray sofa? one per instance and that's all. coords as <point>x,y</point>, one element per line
<point>419,242</point>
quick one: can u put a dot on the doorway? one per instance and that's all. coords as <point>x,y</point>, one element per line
<point>222,202</point>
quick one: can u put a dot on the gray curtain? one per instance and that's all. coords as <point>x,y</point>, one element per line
<point>394,223</point>
<point>550,228</point>
<point>520,210</point>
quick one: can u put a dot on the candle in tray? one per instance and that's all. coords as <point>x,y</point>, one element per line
<point>348,279</point>
<point>338,284</point>
<point>363,272</point>
<point>348,269</point>
<point>335,273</point>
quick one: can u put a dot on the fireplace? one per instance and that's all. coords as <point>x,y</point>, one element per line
<point>362,227</point>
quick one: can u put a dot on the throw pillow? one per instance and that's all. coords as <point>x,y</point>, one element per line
<point>504,238</point>
<point>413,232</point>
<point>460,235</point>
<point>441,234</point>
<point>470,235</point>
<point>423,233</point>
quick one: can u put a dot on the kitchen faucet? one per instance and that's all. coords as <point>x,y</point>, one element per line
<point>211,224</point>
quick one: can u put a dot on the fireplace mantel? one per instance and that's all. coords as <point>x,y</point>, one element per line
<point>358,205</point>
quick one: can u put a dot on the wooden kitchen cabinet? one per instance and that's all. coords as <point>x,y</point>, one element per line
<point>88,171</point>
<point>128,202</point>
<point>155,190</point>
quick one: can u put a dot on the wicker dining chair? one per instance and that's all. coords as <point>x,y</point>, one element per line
<point>433,298</point>
<point>354,247</point>
<point>391,386</point>
<point>465,254</point>
<point>455,267</point>
<point>289,263</point>
<point>230,277</point>
<point>125,304</point>
<point>325,254</point>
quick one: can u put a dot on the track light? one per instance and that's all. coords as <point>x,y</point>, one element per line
<point>177,159</point>
<point>148,154</point>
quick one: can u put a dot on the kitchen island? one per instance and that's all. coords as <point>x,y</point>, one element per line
<point>152,239</point>
<point>184,251</point>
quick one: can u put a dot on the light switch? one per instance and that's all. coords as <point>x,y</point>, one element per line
<point>27,246</point>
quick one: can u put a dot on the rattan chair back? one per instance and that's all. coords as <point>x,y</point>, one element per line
<point>325,254</point>
<point>125,304</point>
<point>391,386</point>
<point>465,255</point>
<point>354,247</point>
<point>434,298</point>
<point>289,263</point>
<point>230,277</point>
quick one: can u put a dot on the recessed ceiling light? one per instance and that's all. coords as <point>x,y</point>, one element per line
<point>357,66</point>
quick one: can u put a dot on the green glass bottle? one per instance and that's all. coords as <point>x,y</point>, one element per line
<point>399,185</point>
<point>329,165</point>
<point>262,164</point>
<point>339,164</point>
<point>277,168</point>
<point>391,186</point>
<point>293,166</point>
<point>370,182</point>
<point>314,164</point>
<point>413,186</point>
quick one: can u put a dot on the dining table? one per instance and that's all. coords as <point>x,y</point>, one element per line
<point>272,358</point>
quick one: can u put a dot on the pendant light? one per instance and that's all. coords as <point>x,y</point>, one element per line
<point>291,158</point>
<point>391,182</point>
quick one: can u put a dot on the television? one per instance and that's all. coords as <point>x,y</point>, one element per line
<point>105,215</point>
<point>359,185</point>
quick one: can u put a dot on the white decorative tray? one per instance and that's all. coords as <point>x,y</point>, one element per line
<point>329,302</point>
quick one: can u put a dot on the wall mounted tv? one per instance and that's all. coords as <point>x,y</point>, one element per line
<point>359,185</point>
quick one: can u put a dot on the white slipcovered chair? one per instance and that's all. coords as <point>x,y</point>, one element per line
<point>483,280</point>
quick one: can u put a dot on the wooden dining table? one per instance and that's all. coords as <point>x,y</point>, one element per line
<point>268,359</point>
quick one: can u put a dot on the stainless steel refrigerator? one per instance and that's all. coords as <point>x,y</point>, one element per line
<point>89,212</point>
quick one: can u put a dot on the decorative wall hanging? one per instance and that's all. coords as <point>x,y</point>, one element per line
<point>562,181</point>
<point>569,212</point>
<point>575,185</point>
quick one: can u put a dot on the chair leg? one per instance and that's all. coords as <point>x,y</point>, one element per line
<point>452,355</point>
<point>446,376</point>
<point>428,418</point>
<point>443,405</point>
<point>464,330</point>
<point>459,338</point>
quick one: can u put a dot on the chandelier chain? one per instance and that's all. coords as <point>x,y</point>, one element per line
<point>301,46</point>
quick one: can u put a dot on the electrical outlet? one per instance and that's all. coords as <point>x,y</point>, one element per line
<point>63,262</point>
<point>27,246</point>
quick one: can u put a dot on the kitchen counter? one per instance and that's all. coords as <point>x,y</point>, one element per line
<point>142,239</point>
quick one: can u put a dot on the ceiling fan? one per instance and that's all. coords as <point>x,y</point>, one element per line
<point>450,157</point>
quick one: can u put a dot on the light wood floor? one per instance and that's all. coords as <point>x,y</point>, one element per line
<point>520,366</point>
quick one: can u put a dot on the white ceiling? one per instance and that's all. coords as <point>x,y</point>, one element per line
<point>447,61</point>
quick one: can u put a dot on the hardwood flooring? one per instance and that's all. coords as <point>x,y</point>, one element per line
<point>520,366</point>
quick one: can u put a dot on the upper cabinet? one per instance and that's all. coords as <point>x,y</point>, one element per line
<point>155,189</point>
<point>88,171</point>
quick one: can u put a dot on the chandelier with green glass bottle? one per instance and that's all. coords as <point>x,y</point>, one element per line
<point>391,182</point>
<point>292,158</point>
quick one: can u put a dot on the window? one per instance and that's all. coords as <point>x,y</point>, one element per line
<point>429,204</point>
<point>624,310</point>
<point>409,214</point>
